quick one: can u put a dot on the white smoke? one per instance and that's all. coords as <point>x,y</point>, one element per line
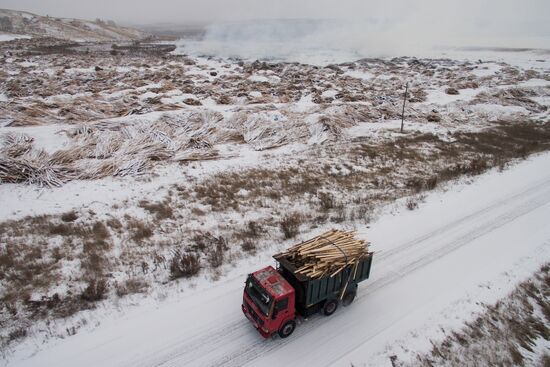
<point>312,41</point>
<point>332,41</point>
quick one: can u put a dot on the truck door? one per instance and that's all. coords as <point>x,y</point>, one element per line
<point>283,316</point>
<point>281,308</point>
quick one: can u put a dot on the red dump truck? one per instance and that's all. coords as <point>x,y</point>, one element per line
<point>274,298</point>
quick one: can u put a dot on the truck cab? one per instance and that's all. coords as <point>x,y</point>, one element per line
<point>269,303</point>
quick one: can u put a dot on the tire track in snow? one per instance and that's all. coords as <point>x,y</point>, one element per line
<point>445,228</point>
<point>540,197</point>
<point>229,337</point>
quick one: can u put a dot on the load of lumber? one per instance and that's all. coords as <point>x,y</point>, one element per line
<point>327,254</point>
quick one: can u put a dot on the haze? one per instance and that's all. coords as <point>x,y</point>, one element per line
<point>532,14</point>
<point>405,23</point>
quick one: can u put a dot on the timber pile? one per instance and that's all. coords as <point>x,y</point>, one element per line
<point>327,254</point>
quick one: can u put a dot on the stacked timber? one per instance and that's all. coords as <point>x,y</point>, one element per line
<point>327,254</point>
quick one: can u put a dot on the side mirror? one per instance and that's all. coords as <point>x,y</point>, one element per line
<point>274,314</point>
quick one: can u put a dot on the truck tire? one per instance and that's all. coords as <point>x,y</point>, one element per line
<point>287,329</point>
<point>348,298</point>
<point>330,307</point>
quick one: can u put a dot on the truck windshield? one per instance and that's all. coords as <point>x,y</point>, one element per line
<point>258,295</point>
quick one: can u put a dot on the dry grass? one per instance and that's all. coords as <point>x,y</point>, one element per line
<point>131,286</point>
<point>96,290</point>
<point>327,187</point>
<point>290,225</point>
<point>504,334</point>
<point>69,217</point>
<point>161,210</point>
<point>248,246</point>
<point>139,231</point>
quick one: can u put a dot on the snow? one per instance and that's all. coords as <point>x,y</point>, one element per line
<point>51,138</point>
<point>170,325</point>
<point>11,37</point>
<point>264,79</point>
<point>466,245</point>
<point>148,95</point>
<point>439,97</point>
<point>545,101</point>
<point>3,97</point>
<point>28,64</point>
<point>492,109</point>
<point>27,15</point>
<point>331,93</point>
<point>148,86</point>
<point>178,98</point>
<point>374,129</point>
<point>22,200</point>
<point>363,75</point>
<point>49,71</point>
<point>384,77</point>
<point>67,97</point>
<point>80,70</point>
<point>535,83</point>
<point>487,69</point>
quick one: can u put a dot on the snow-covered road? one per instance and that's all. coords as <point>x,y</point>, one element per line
<point>468,245</point>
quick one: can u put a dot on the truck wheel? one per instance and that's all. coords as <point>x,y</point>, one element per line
<point>287,329</point>
<point>330,306</point>
<point>348,298</point>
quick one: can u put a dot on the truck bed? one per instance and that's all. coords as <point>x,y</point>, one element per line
<point>310,293</point>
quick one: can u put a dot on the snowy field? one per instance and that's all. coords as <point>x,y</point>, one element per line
<point>433,268</point>
<point>113,159</point>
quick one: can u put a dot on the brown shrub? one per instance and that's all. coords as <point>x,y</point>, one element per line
<point>411,204</point>
<point>131,286</point>
<point>452,91</point>
<point>213,247</point>
<point>217,253</point>
<point>100,231</point>
<point>254,229</point>
<point>93,263</point>
<point>91,246</point>
<point>326,200</point>
<point>478,166</point>
<point>114,223</point>
<point>161,210</point>
<point>69,217</point>
<point>61,230</point>
<point>139,230</point>
<point>416,184</point>
<point>431,183</point>
<point>184,265</point>
<point>433,117</point>
<point>290,225</point>
<point>95,291</point>
<point>248,246</point>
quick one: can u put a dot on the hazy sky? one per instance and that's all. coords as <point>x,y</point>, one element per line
<point>522,15</point>
<point>507,23</point>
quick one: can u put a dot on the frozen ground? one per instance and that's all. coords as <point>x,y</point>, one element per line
<point>10,37</point>
<point>433,267</point>
<point>131,154</point>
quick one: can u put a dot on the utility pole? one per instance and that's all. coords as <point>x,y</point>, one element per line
<point>404,101</point>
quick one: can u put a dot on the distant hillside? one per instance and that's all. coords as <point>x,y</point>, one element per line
<point>21,22</point>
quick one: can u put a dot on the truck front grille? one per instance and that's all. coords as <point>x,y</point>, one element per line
<point>254,315</point>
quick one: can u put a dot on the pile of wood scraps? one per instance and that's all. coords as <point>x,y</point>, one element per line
<point>327,254</point>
